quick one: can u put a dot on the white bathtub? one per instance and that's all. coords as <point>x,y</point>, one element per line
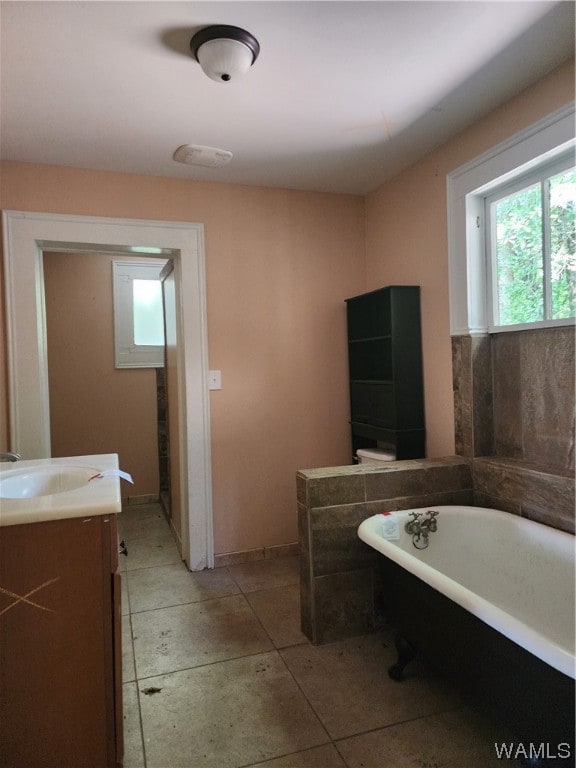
<point>515,575</point>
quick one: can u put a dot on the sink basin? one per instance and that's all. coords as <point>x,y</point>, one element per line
<point>43,481</point>
<point>44,490</point>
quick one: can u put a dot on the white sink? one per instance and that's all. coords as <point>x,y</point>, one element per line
<point>43,481</point>
<point>38,490</point>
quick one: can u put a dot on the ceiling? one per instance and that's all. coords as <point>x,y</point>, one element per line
<point>343,95</point>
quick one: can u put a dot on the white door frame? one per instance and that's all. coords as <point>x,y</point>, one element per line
<point>25,236</point>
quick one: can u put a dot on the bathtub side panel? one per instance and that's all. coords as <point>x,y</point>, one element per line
<point>533,699</point>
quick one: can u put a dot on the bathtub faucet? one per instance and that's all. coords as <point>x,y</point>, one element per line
<point>9,456</point>
<point>421,529</point>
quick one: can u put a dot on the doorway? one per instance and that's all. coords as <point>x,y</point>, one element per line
<point>26,237</point>
<point>105,341</point>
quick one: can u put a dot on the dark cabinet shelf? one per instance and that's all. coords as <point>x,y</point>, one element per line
<point>371,359</point>
<point>385,369</point>
<point>371,381</point>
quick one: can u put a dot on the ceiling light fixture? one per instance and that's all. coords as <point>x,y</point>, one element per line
<point>224,52</point>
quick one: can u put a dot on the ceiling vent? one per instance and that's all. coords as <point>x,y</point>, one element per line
<point>209,157</point>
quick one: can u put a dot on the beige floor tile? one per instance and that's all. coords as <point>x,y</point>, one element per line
<point>319,757</point>
<point>128,665</point>
<point>348,686</point>
<point>183,636</point>
<point>167,585</point>
<point>133,747</point>
<point>160,549</point>
<point>279,612</point>
<point>457,739</point>
<point>265,574</point>
<point>141,520</point>
<point>226,715</point>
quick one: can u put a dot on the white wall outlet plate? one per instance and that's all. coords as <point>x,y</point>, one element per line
<point>214,379</point>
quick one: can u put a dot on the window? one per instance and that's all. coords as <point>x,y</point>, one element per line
<point>138,314</point>
<point>531,247</point>
<point>491,202</point>
<point>148,318</point>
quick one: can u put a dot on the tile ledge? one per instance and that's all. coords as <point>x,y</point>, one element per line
<point>392,466</point>
<point>520,464</point>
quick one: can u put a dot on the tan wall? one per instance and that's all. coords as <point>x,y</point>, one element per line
<point>407,236</point>
<point>279,266</point>
<point>95,407</point>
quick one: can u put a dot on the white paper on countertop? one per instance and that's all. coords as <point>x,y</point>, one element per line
<point>113,473</point>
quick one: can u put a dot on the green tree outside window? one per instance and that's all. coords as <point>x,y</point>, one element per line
<point>535,242</point>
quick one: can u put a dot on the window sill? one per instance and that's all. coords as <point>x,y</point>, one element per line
<point>568,321</point>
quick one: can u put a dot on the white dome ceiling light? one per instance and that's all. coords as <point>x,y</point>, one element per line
<point>224,52</point>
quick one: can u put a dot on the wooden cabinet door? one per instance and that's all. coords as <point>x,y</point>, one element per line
<point>55,644</point>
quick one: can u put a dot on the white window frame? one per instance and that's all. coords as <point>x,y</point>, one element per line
<point>467,187</point>
<point>127,354</point>
<point>535,176</point>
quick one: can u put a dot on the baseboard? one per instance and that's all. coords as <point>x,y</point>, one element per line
<point>253,555</point>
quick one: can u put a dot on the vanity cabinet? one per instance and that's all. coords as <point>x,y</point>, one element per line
<point>385,368</point>
<point>60,644</point>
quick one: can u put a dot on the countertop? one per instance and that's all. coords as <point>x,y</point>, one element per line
<point>95,496</point>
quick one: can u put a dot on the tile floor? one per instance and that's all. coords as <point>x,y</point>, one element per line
<point>218,675</point>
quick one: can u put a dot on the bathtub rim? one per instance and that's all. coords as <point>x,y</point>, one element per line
<point>557,656</point>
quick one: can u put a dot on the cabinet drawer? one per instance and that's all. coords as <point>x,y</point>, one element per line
<point>372,403</point>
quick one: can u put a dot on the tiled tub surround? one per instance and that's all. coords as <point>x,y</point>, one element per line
<point>514,417</point>
<point>514,396</point>
<point>473,393</point>
<point>514,421</point>
<point>338,593</point>
<point>530,490</point>
<point>340,589</point>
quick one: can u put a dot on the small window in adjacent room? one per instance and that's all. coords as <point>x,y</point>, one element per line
<point>138,314</point>
<point>531,247</point>
<point>148,318</point>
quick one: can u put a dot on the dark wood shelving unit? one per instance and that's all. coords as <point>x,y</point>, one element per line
<point>385,368</point>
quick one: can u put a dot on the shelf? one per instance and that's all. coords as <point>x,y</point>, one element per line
<point>370,338</point>
<point>366,318</point>
<point>385,371</point>
<point>371,360</point>
<point>406,443</point>
<point>373,403</point>
<point>371,381</point>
